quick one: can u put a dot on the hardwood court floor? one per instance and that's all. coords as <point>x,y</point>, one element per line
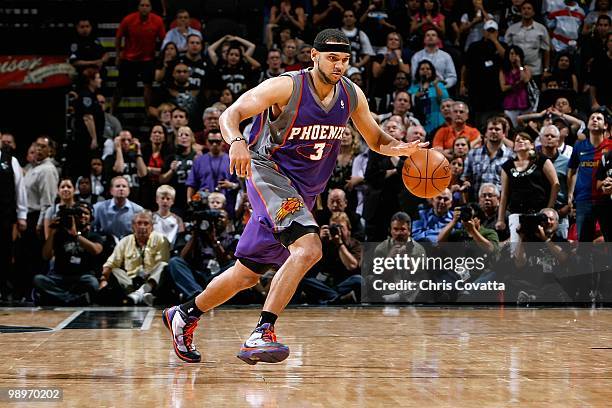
<point>421,357</point>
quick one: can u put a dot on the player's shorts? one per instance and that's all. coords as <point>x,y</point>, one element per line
<point>280,216</point>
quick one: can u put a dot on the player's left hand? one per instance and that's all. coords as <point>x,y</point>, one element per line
<point>403,149</point>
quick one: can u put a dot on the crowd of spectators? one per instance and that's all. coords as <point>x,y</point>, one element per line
<point>515,94</point>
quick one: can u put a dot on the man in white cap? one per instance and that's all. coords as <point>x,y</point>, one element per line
<point>480,74</point>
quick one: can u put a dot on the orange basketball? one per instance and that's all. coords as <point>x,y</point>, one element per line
<point>426,173</point>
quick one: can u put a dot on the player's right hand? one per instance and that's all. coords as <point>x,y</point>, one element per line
<point>240,159</point>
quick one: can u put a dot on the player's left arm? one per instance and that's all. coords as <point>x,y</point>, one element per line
<point>375,137</point>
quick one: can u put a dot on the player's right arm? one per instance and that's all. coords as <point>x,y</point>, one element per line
<point>274,91</point>
<point>375,137</point>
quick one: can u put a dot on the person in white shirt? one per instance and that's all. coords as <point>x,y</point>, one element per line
<point>164,221</point>
<point>441,60</point>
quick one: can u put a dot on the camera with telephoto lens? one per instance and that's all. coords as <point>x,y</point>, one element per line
<point>334,230</point>
<point>66,215</point>
<point>199,217</point>
<point>466,213</point>
<point>530,222</point>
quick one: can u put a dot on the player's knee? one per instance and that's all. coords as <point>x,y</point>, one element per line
<point>309,252</point>
<point>245,277</point>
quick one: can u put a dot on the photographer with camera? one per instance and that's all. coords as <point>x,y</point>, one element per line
<point>336,278</point>
<point>76,250</point>
<point>539,269</point>
<point>466,226</point>
<point>65,193</point>
<point>208,252</point>
<point>529,183</point>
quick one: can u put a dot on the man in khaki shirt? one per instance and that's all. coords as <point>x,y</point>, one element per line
<point>138,260</point>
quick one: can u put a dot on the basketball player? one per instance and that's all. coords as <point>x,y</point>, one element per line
<point>290,155</point>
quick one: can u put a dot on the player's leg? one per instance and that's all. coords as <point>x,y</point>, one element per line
<point>182,320</point>
<point>305,250</point>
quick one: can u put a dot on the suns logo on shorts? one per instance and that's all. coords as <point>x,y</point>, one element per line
<point>289,206</point>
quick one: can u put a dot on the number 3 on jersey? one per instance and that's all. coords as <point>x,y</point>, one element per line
<point>319,147</point>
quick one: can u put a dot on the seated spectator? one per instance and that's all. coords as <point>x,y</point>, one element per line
<point>210,119</point>
<point>400,243</point>
<point>513,79</point>
<point>337,202</point>
<point>483,165</point>
<point>401,107</point>
<point>529,183</point>
<point>445,137</point>
<point>75,248</point>
<point>488,200</point>
<point>415,132</point>
<point>179,91</point>
<point>456,186</point>
<point>164,117</point>
<point>208,253</point>
<point>127,161</point>
<point>65,193</point>
<point>461,147</point>
<point>341,176</point>
<point>238,69</point>
<point>112,127</point>
<point>336,278</point>
<point>153,154</point>
<point>445,68</point>
<point>216,201</point>
<point>210,171</point>
<point>137,262</point>
<point>201,73</point>
<point>550,149</point>
<point>114,216</point>
<point>164,221</point>
<point>386,103</point>
<point>387,63</point>
<point>289,55</point>
<point>432,220</point>
<point>177,167</point>
<point>428,93</point>
<point>564,73</point>
<point>274,67</point>
<point>304,60</point>
<point>99,180</point>
<point>84,193</point>
<point>181,32</point>
<point>163,69</point>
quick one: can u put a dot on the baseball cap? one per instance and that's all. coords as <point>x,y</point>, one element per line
<point>490,25</point>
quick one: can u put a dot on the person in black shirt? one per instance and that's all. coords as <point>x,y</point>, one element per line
<point>89,122</point>
<point>76,250</point>
<point>86,50</point>
<point>529,184</point>
<point>604,183</point>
